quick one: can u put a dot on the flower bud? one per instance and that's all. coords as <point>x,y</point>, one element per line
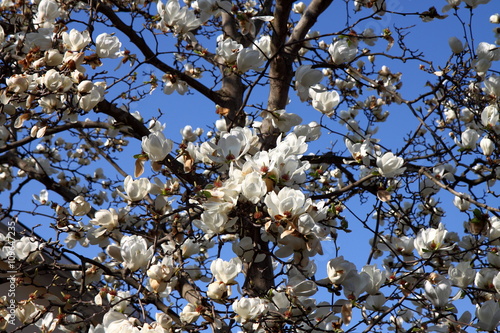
<point>487,146</point>
<point>456,45</point>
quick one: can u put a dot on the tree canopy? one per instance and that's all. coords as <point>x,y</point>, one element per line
<point>113,222</point>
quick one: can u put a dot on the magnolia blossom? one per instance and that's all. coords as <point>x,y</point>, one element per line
<point>248,59</point>
<point>218,290</point>
<point>323,100</point>
<point>156,146</point>
<point>214,222</point>
<point>228,49</point>
<point>135,252</point>
<point>136,189</point>
<point>248,309</point>
<point>487,146</point>
<point>107,46</point>
<point>338,269</point>
<point>79,206</point>
<point>306,77</point>
<point>48,11</point>
<point>438,293</point>
<point>475,3</point>
<point>190,313</point>
<point>106,218</point>
<point>173,84</point>
<point>342,51</point>
<point>226,271</point>
<point>75,40</point>
<point>287,203</point>
<point>461,202</point>
<point>390,165</point>
<point>375,278</point>
<point>26,247</point>
<point>489,116</point>
<point>488,315</point>
<point>117,322</point>
<point>56,82</point>
<point>299,7</point>
<point>492,85</point>
<point>430,240</point>
<point>468,139</point>
<point>253,187</point>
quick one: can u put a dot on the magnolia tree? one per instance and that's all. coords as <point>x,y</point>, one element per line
<point>235,226</point>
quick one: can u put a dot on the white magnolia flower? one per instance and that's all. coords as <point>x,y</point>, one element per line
<point>484,278</point>
<point>79,206</point>
<point>87,100</point>
<point>492,85</point>
<point>462,275</point>
<point>253,187</point>
<point>376,278</point>
<point>430,240</point>
<point>369,37</point>
<point>214,222</point>
<point>462,203</point>
<point>487,51</point>
<point>218,290</point>
<point>226,271</point>
<point>487,146</point>
<point>117,322</point>
<point>107,46</point>
<point>299,7</point>
<point>306,77</point>
<point>48,11</point>
<point>56,82</point>
<point>248,309</point>
<point>390,165</point>
<point>228,49</point>
<point>438,293</point>
<point>75,40</point>
<point>248,59</point>
<point>106,218</point>
<point>375,302</point>
<point>43,198</point>
<point>468,139</point>
<point>136,189</point>
<point>190,313</point>
<point>288,203</point>
<point>209,8</point>
<point>488,315</point>
<point>18,83</point>
<point>489,116</point>
<point>323,100</point>
<point>26,247</point>
<point>475,3</point>
<point>53,57</point>
<point>173,84</point>
<point>185,21</point>
<point>135,252</point>
<point>342,51</point>
<point>338,269</point>
<point>156,146</point>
